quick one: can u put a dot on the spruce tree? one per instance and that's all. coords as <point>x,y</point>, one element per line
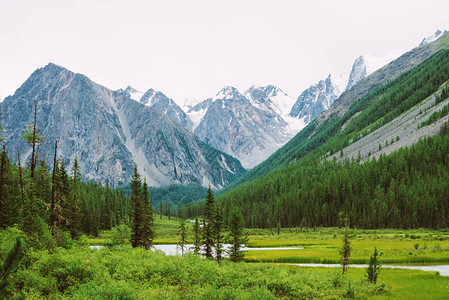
<point>183,237</point>
<point>345,250</point>
<point>74,202</point>
<point>147,230</point>
<point>373,269</point>
<point>33,138</point>
<point>196,237</point>
<point>236,236</point>
<point>218,234</point>
<point>208,223</point>
<point>135,210</point>
<point>5,174</point>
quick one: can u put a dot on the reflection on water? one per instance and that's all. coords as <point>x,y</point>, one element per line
<point>175,250</point>
<point>443,269</point>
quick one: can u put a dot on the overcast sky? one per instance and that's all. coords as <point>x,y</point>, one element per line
<point>191,49</point>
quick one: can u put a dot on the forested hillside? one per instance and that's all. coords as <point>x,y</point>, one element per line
<point>331,121</point>
<point>405,189</point>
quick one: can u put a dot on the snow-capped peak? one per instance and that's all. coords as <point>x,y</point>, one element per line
<point>433,37</point>
<point>228,92</point>
<point>358,72</point>
<point>132,93</point>
<point>270,97</point>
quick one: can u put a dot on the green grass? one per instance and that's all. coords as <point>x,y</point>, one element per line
<point>321,246</point>
<point>403,284</point>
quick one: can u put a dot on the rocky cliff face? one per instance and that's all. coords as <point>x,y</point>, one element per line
<point>358,72</point>
<point>157,100</point>
<point>109,132</point>
<point>231,123</point>
<point>314,100</point>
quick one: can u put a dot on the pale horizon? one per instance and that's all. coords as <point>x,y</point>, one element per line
<point>190,50</point>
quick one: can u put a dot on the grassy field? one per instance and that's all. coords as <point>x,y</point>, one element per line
<point>402,284</point>
<point>322,244</point>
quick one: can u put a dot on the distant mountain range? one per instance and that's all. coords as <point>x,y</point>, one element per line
<point>201,142</point>
<point>110,132</point>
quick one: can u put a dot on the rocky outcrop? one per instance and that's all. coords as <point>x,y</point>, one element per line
<point>109,132</point>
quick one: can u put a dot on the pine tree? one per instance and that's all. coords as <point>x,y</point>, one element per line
<point>196,237</point>
<point>5,174</point>
<point>218,234</point>
<point>373,269</point>
<point>147,229</point>
<point>135,211</point>
<point>236,236</point>
<point>183,237</point>
<point>74,202</point>
<point>160,210</point>
<point>208,223</point>
<point>32,137</point>
<point>345,250</point>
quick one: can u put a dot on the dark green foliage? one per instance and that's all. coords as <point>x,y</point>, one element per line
<point>373,270</point>
<point>73,205</point>
<point>9,265</point>
<point>435,116</point>
<point>345,250</point>
<point>135,209</point>
<point>176,193</point>
<point>147,227</point>
<point>196,237</point>
<point>375,109</point>
<point>183,237</point>
<point>208,223</point>
<point>236,236</point>
<point>404,189</point>
<point>218,234</point>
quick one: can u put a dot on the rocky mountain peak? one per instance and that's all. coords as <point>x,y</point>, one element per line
<point>228,92</point>
<point>358,72</point>
<point>433,37</point>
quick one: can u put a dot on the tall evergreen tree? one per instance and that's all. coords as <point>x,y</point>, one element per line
<point>147,230</point>
<point>196,237</point>
<point>74,202</point>
<point>5,174</point>
<point>218,234</point>
<point>135,209</point>
<point>34,139</point>
<point>183,237</point>
<point>208,223</point>
<point>345,250</point>
<point>373,270</point>
<point>236,236</point>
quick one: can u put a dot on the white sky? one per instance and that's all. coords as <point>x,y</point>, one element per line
<point>191,49</point>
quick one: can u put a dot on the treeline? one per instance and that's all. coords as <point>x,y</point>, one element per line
<point>370,112</point>
<point>406,189</point>
<point>303,189</point>
<point>58,204</point>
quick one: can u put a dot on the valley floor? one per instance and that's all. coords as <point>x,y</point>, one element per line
<point>321,245</point>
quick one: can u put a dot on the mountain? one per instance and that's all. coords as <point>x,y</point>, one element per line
<point>433,37</point>
<point>358,72</point>
<point>381,162</point>
<point>232,124</point>
<point>314,100</point>
<point>109,132</point>
<point>157,100</point>
<point>339,115</point>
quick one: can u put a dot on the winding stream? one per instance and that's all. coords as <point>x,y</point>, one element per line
<point>174,250</point>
